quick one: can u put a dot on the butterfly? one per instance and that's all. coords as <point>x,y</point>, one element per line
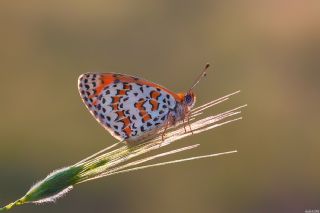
<point>133,109</point>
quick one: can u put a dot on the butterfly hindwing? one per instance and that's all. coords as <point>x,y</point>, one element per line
<point>128,107</point>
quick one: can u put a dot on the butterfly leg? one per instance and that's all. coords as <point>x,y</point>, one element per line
<point>170,121</point>
<point>189,124</point>
<point>184,125</point>
<point>165,129</point>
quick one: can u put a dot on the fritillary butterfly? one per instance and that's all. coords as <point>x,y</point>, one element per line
<point>133,109</point>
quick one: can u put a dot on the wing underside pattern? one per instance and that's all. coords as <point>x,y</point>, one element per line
<point>129,108</point>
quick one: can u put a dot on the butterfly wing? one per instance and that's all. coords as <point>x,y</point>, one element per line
<point>129,108</point>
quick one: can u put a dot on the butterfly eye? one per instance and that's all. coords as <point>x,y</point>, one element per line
<point>188,99</point>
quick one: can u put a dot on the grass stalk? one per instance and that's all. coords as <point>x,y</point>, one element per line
<point>120,158</point>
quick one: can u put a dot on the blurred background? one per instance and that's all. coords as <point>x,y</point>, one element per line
<point>270,50</point>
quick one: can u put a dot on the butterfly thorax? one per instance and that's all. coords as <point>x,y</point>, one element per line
<point>177,114</point>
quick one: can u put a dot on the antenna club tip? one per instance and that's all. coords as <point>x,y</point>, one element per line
<point>207,65</point>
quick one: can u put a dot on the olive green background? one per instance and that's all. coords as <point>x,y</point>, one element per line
<point>270,50</point>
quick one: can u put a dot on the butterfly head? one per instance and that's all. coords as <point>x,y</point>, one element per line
<point>184,105</point>
<point>189,99</point>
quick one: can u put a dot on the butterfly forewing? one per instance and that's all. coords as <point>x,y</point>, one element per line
<point>128,107</point>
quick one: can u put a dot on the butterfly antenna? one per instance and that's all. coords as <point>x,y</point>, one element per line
<point>203,74</point>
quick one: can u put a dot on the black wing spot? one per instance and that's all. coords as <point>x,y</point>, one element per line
<point>99,106</point>
<point>108,117</point>
<point>104,109</point>
<point>161,112</point>
<point>103,100</point>
<point>165,106</point>
<point>134,117</point>
<point>115,126</point>
<point>168,96</point>
<point>87,86</point>
<point>156,119</point>
<point>134,126</point>
<point>163,118</point>
<point>141,89</point>
<point>149,124</point>
<point>135,94</point>
<point>142,128</point>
